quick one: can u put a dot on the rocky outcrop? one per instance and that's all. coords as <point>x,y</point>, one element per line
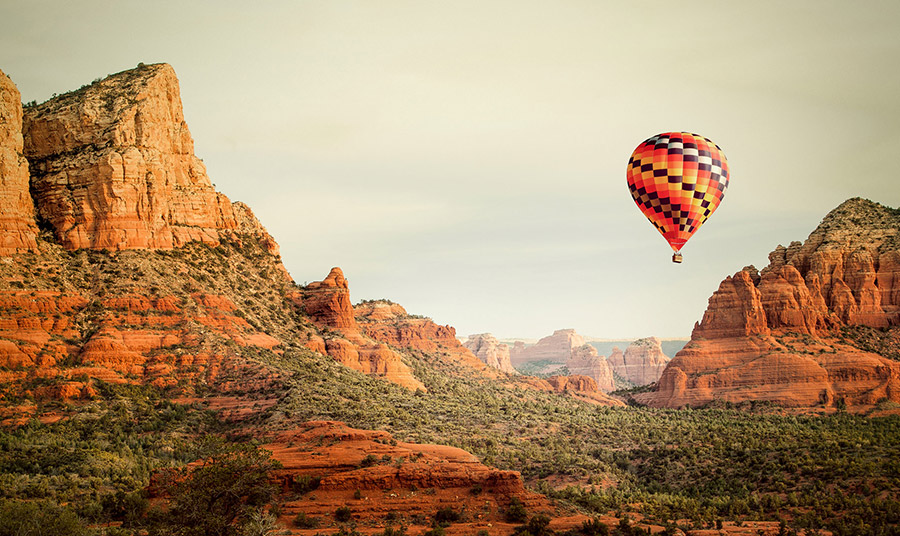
<point>113,166</point>
<point>776,335</point>
<point>582,388</point>
<point>373,474</point>
<point>389,323</point>
<point>327,303</point>
<point>17,226</point>
<point>584,361</point>
<point>492,352</point>
<point>642,363</point>
<point>557,347</point>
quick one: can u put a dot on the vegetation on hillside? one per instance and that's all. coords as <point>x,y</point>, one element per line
<point>838,472</point>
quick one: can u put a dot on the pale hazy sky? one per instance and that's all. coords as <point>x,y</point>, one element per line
<point>467,159</point>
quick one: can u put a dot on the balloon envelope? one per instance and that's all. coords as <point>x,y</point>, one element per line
<point>677,180</point>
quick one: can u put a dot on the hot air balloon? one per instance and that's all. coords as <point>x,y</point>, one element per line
<point>677,180</point>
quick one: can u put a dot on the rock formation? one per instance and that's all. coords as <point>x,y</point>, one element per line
<point>393,477</point>
<point>585,361</point>
<point>17,226</point>
<point>389,323</point>
<point>113,166</point>
<point>488,349</point>
<point>642,363</point>
<point>327,303</point>
<point>583,388</point>
<point>557,347</point>
<point>782,334</point>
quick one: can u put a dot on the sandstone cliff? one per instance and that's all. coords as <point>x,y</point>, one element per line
<point>17,226</point>
<point>642,363</point>
<point>557,347</point>
<point>786,334</point>
<point>327,303</point>
<point>337,455</point>
<point>583,388</point>
<point>585,361</point>
<point>113,166</point>
<point>488,349</point>
<point>389,323</point>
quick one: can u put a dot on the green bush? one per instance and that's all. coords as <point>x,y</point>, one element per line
<point>303,521</point>
<point>445,516</point>
<point>343,514</point>
<point>38,518</point>
<point>515,512</point>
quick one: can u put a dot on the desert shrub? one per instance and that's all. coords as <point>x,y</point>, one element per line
<point>445,516</point>
<point>515,512</point>
<point>343,514</point>
<point>303,484</point>
<point>538,525</point>
<point>303,521</point>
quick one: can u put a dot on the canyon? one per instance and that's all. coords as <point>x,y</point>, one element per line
<point>127,280</point>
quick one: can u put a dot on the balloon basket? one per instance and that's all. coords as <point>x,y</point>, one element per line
<point>676,258</point>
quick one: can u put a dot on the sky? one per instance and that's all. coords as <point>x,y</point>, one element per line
<point>467,159</point>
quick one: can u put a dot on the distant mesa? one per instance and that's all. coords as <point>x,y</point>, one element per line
<point>584,361</point>
<point>583,388</point>
<point>817,327</point>
<point>642,363</point>
<point>557,347</point>
<point>492,352</point>
<point>389,323</point>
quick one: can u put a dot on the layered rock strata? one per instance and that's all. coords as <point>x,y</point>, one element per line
<point>389,323</point>
<point>583,388</point>
<point>113,166</point>
<point>492,352</point>
<point>585,361</point>
<point>780,334</point>
<point>18,230</point>
<point>557,347</point>
<point>642,363</point>
<point>327,303</point>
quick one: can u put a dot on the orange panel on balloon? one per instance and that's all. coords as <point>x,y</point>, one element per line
<point>677,179</point>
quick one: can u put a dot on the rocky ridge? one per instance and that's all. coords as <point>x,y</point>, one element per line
<point>785,334</point>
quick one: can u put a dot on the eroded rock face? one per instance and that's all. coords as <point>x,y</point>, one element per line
<point>491,351</point>
<point>557,347</point>
<point>113,166</point>
<point>389,323</point>
<point>337,455</point>
<point>776,335</point>
<point>582,388</point>
<point>642,363</point>
<point>584,361</point>
<point>17,226</point>
<point>327,303</point>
